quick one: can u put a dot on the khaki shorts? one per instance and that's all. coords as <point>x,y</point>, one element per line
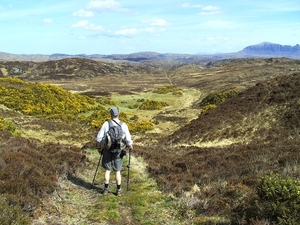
<point>111,161</point>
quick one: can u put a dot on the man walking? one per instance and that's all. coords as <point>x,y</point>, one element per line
<point>112,161</point>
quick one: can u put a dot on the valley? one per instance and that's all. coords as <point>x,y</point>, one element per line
<point>194,167</point>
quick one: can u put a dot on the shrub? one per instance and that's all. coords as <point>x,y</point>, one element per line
<point>134,118</point>
<point>208,107</point>
<point>29,171</point>
<point>212,99</point>
<point>152,105</point>
<point>141,127</point>
<point>279,198</point>
<point>217,97</point>
<point>168,89</point>
<point>9,126</point>
<point>135,106</point>
<point>106,101</point>
<point>43,100</point>
<point>12,214</point>
<point>99,117</point>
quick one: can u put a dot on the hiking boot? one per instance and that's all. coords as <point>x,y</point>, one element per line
<point>119,194</point>
<point>105,191</point>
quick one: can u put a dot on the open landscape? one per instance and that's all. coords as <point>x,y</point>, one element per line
<point>215,141</point>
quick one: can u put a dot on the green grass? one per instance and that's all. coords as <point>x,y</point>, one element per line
<point>123,101</point>
<point>144,203</point>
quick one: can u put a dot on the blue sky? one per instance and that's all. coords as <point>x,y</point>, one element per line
<point>128,26</point>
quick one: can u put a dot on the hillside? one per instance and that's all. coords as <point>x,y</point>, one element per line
<point>193,166</point>
<point>98,78</point>
<point>225,151</point>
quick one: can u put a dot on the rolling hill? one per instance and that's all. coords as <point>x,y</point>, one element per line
<point>208,168</point>
<point>226,150</point>
<point>262,50</point>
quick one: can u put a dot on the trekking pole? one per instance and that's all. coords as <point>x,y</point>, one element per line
<point>96,171</point>
<point>128,166</point>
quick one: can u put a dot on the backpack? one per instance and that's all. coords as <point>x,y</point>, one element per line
<point>114,140</point>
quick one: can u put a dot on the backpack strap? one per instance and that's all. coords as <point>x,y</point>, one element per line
<point>119,124</point>
<point>109,124</point>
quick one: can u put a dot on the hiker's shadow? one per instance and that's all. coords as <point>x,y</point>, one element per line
<point>80,182</point>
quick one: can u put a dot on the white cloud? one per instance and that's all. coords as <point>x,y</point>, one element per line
<point>80,24</point>
<point>156,22</point>
<point>210,10</point>
<point>86,25</point>
<point>154,31</point>
<point>105,5</point>
<point>187,5</point>
<point>47,21</point>
<point>131,32</point>
<point>127,32</point>
<point>211,13</point>
<point>150,30</point>
<point>205,10</point>
<point>94,27</point>
<point>83,13</point>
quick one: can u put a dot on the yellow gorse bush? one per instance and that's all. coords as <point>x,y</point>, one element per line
<point>100,116</point>
<point>208,107</point>
<point>8,126</point>
<point>168,89</point>
<point>279,198</point>
<point>211,100</point>
<point>152,105</point>
<point>42,99</point>
<point>215,97</point>
<point>52,102</point>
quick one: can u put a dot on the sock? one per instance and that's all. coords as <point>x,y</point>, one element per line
<point>106,186</point>
<point>119,187</point>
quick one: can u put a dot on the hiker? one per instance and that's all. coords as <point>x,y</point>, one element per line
<point>112,160</point>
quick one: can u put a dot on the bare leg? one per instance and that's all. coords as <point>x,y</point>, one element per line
<point>106,176</point>
<point>118,177</point>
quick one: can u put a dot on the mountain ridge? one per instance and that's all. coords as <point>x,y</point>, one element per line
<point>264,49</point>
<point>268,48</point>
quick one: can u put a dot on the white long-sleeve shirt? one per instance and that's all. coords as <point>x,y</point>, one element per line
<point>105,127</point>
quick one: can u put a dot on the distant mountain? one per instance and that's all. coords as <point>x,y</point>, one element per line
<point>262,50</point>
<point>273,50</point>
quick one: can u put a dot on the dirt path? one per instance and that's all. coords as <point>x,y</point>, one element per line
<point>168,77</point>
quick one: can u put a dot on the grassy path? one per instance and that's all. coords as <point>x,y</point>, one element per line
<point>75,203</point>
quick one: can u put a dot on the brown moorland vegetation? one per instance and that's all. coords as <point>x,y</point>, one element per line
<point>217,165</point>
<point>226,150</point>
<point>29,171</point>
